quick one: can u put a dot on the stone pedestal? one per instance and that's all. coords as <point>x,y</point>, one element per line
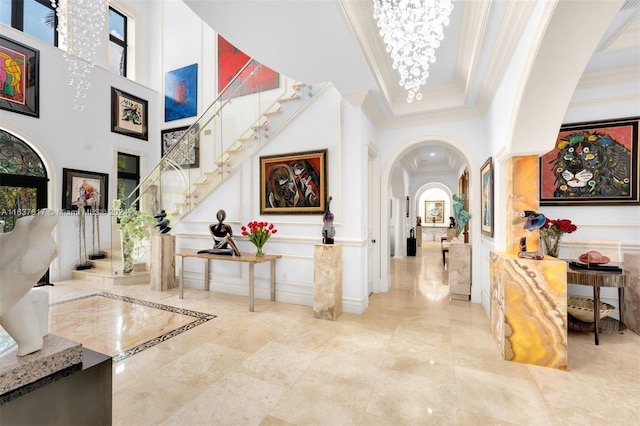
<point>163,262</point>
<point>528,310</point>
<point>419,235</point>
<point>632,293</point>
<point>327,281</point>
<point>459,270</point>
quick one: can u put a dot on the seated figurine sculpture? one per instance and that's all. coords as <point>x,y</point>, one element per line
<point>25,255</point>
<point>222,233</point>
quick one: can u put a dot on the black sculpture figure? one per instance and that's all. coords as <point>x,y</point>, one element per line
<point>328,231</point>
<point>452,222</point>
<point>163,222</point>
<point>222,233</point>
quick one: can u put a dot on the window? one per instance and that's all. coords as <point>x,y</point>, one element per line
<point>128,177</point>
<point>117,42</point>
<point>34,17</point>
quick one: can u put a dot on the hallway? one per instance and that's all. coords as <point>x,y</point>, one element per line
<point>412,358</point>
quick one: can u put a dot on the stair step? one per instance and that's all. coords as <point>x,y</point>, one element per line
<point>112,279</point>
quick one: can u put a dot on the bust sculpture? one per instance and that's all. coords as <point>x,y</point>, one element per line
<point>25,255</point>
<point>222,233</point>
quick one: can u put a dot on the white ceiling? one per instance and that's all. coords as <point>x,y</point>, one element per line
<point>338,41</point>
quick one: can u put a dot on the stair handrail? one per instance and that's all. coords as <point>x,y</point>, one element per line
<point>179,146</point>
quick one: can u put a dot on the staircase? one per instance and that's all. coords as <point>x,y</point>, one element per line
<point>235,127</point>
<point>108,271</point>
<point>237,124</point>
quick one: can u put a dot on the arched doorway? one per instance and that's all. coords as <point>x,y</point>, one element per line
<point>448,176</point>
<point>23,183</point>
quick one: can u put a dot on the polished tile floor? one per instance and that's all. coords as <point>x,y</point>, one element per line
<point>412,358</point>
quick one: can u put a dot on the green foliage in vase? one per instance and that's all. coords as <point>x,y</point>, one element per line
<point>133,225</point>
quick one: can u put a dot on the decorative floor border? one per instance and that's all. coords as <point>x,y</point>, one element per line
<point>201,318</point>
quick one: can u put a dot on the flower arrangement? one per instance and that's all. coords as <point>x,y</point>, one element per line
<point>552,231</point>
<point>258,233</point>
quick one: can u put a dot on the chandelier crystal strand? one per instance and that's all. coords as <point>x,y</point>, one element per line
<point>80,31</point>
<point>412,31</point>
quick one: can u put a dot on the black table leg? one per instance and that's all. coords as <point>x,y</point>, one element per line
<point>596,311</point>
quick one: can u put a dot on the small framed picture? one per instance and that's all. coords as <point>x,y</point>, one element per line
<point>20,82</point>
<point>434,211</point>
<point>294,183</point>
<point>129,114</point>
<point>189,157</point>
<point>88,190</point>
<point>486,197</point>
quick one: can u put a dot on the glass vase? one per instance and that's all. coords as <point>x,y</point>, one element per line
<point>259,252</point>
<point>551,244</point>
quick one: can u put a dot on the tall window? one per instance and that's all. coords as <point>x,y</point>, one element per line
<point>128,176</point>
<point>117,42</point>
<point>34,17</point>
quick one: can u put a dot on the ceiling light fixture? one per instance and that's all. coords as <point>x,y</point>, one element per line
<point>80,32</point>
<point>412,31</point>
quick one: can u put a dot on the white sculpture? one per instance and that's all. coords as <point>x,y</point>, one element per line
<point>25,255</point>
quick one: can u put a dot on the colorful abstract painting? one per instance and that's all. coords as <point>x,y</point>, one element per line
<point>230,62</point>
<point>293,183</point>
<point>19,68</point>
<point>592,163</point>
<point>181,93</point>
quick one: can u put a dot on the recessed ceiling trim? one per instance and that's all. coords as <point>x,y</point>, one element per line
<point>513,25</point>
<point>474,26</point>
<point>608,77</point>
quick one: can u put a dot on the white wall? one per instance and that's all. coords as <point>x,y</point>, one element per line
<point>68,138</point>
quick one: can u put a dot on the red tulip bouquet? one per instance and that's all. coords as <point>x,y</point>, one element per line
<point>258,233</point>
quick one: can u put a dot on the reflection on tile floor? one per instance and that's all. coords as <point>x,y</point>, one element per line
<point>412,358</point>
<point>120,326</point>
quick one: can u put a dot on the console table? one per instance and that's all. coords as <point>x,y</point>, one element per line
<point>598,279</point>
<point>249,258</point>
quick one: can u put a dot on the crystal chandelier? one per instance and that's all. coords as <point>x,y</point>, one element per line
<point>80,31</point>
<point>412,31</point>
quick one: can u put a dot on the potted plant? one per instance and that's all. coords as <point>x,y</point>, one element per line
<point>133,225</point>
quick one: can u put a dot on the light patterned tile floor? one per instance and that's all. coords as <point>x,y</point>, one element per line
<point>413,358</point>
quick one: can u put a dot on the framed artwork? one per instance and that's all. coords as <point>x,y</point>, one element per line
<point>82,187</point>
<point>191,156</point>
<point>20,77</point>
<point>593,163</point>
<point>486,197</point>
<point>434,211</point>
<point>294,183</point>
<point>230,62</point>
<point>181,93</point>
<point>129,114</point>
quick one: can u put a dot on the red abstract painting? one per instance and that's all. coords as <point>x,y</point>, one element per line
<point>230,61</point>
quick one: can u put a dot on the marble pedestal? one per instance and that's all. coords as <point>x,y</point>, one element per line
<point>327,281</point>
<point>163,262</point>
<point>528,309</point>
<point>57,353</point>
<point>632,293</point>
<point>419,235</point>
<point>459,270</point>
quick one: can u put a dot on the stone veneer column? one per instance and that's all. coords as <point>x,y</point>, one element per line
<point>632,293</point>
<point>327,281</point>
<point>528,314</point>
<point>163,262</point>
<point>523,194</point>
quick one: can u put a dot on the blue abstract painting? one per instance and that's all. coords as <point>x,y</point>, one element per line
<point>181,93</point>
